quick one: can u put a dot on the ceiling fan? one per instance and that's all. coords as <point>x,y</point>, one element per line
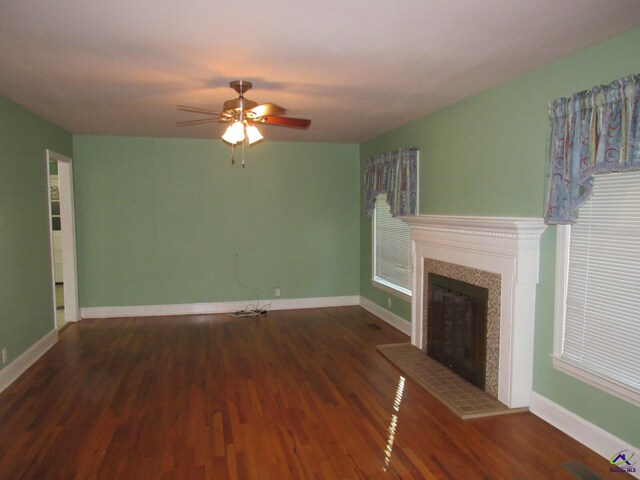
<point>244,115</point>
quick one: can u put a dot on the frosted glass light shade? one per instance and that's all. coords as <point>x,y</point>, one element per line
<point>254,134</point>
<point>234,134</point>
<point>228,136</point>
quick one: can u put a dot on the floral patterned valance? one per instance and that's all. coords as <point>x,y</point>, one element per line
<point>396,174</point>
<point>592,132</point>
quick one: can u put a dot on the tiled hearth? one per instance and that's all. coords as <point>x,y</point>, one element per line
<point>491,251</point>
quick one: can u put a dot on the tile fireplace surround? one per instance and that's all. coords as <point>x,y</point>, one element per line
<point>507,246</point>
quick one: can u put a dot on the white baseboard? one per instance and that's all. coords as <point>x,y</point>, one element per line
<point>217,307</point>
<point>391,318</point>
<point>18,366</point>
<point>590,435</point>
<point>319,302</point>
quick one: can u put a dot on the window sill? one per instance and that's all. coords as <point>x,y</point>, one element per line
<point>391,289</point>
<point>621,391</point>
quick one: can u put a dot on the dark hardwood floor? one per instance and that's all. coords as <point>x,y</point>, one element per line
<point>296,394</point>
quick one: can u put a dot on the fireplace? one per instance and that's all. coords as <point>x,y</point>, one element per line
<point>483,281</point>
<point>457,331</point>
<point>500,254</point>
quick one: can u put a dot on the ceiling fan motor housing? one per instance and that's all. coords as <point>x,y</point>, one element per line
<point>246,111</point>
<point>238,104</point>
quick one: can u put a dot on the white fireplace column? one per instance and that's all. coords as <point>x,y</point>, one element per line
<point>508,246</point>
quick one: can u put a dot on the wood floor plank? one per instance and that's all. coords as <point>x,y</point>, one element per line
<point>299,394</point>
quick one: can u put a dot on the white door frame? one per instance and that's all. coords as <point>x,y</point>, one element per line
<point>68,234</point>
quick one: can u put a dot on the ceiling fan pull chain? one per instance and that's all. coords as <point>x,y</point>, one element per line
<point>242,153</point>
<point>233,160</point>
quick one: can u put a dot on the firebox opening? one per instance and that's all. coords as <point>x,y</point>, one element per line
<point>457,326</point>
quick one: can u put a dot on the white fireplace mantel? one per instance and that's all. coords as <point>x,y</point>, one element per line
<point>509,246</point>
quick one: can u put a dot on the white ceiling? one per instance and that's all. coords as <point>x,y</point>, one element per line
<point>356,68</point>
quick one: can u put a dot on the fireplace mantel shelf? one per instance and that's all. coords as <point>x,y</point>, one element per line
<point>502,227</point>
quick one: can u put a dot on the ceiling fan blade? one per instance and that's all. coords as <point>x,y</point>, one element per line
<point>205,111</point>
<point>286,121</point>
<point>265,109</point>
<point>197,122</point>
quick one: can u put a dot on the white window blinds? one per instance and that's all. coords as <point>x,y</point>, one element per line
<point>602,322</point>
<point>393,265</point>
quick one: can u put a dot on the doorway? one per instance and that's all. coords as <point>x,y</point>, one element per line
<point>62,236</point>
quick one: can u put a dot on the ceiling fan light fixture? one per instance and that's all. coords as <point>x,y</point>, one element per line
<point>238,131</point>
<point>234,133</point>
<point>228,136</point>
<point>253,134</point>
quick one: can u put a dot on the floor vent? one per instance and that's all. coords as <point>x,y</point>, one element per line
<point>580,470</point>
<point>373,326</point>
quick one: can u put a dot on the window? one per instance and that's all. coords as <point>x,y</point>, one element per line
<point>597,337</point>
<point>55,202</point>
<point>392,263</point>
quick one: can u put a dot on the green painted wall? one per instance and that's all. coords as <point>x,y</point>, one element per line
<point>26,298</point>
<point>486,156</point>
<point>159,220</point>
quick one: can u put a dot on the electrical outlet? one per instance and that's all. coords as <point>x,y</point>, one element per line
<point>277,292</point>
<point>389,302</point>
<point>4,355</point>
